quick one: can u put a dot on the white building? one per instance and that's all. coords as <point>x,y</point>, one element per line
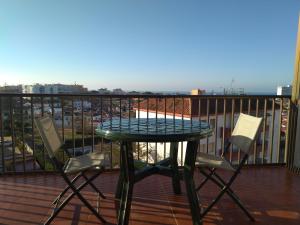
<point>284,90</point>
<point>11,89</point>
<point>53,89</point>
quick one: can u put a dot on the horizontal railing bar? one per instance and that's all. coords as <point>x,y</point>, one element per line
<point>141,95</point>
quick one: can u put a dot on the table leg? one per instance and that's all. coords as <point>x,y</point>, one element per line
<point>118,192</point>
<point>128,182</point>
<point>174,166</point>
<point>188,173</point>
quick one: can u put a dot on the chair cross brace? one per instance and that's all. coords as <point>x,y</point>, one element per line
<point>224,186</point>
<point>81,174</point>
<point>76,191</point>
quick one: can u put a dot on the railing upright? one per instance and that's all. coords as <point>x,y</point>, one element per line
<point>207,120</point>
<point>62,102</point>
<point>92,124</point>
<point>224,125</point>
<point>264,131</point>
<point>272,131</point>
<point>216,128</point>
<point>12,133</point>
<point>110,118</point>
<point>2,136</point>
<point>279,133</point>
<point>72,124</point>
<point>182,121</point>
<point>156,114</point>
<point>231,125</point>
<point>255,143</point>
<point>22,134</point>
<point>286,146</point>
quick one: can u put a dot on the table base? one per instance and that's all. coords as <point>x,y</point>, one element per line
<point>167,167</point>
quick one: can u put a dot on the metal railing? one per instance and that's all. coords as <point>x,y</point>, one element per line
<point>77,115</point>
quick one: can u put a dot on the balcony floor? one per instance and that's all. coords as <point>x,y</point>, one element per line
<point>272,194</point>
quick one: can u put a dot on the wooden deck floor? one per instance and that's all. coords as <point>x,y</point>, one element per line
<point>271,193</point>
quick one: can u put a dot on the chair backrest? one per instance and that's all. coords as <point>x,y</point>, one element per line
<point>245,132</point>
<point>49,133</point>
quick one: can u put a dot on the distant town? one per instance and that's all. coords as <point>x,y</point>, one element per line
<point>80,89</point>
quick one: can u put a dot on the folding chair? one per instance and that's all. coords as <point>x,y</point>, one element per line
<point>243,137</point>
<point>74,165</point>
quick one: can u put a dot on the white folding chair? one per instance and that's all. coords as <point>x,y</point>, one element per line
<point>243,137</point>
<point>74,165</point>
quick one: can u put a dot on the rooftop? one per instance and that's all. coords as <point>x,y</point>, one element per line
<point>198,105</point>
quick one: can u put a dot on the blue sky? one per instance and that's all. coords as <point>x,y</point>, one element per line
<point>149,44</point>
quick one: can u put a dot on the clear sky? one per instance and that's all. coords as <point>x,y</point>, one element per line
<point>149,44</point>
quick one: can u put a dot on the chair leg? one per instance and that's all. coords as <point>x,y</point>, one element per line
<point>221,182</point>
<point>66,189</point>
<point>213,202</point>
<point>87,204</point>
<point>226,189</point>
<point>235,198</point>
<point>73,181</point>
<point>205,180</point>
<point>57,210</point>
<point>75,192</point>
<point>94,187</point>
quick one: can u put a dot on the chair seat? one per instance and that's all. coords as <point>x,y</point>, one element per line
<point>212,161</point>
<point>85,162</point>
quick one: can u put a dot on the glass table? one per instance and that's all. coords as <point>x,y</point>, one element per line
<point>129,131</point>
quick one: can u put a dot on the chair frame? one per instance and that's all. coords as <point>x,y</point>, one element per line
<point>58,205</point>
<point>223,185</point>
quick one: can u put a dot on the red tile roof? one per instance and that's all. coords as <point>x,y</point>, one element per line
<point>190,106</point>
<point>168,106</point>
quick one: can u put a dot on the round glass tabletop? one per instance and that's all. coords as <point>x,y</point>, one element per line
<point>153,130</point>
